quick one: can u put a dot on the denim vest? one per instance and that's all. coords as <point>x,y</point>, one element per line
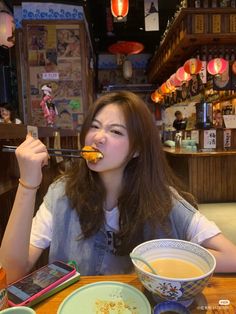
<point>92,255</point>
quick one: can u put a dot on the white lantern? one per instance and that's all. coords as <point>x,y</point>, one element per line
<point>127,69</point>
<point>7,29</point>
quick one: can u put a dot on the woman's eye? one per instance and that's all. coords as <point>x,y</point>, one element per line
<point>117,132</point>
<point>94,126</point>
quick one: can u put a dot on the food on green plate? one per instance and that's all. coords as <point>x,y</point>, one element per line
<point>114,307</point>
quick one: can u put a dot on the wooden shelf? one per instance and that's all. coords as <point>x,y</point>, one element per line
<point>16,131</point>
<point>191,29</point>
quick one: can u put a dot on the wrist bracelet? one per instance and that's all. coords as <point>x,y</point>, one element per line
<point>22,183</point>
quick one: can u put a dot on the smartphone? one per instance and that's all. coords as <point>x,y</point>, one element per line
<point>29,288</point>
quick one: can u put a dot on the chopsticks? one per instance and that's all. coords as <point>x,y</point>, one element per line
<point>51,151</point>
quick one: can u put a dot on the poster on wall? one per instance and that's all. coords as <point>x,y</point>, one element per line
<point>54,60</point>
<point>151,15</point>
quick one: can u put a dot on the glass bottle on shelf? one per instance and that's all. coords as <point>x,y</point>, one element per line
<point>232,55</point>
<point>204,53</point>
<point>233,4</point>
<point>197,4</point>
<point>214,4</point>
<point>190,3</point>
<point>209,56</point>
<point>215,53</point>
<point>226,54</point>
<point>197,55</point>
<point>221,53</point>
<point>205,4</point>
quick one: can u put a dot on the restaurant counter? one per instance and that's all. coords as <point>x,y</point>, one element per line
<point>220,287</point>
<point>209,176</point>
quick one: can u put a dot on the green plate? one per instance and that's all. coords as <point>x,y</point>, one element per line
<point>116,296</point>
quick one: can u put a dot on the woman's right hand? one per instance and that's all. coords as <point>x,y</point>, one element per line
<point>31,155</point>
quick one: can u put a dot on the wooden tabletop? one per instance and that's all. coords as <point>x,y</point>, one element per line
<point>220,287</point>
<point>180,152</point>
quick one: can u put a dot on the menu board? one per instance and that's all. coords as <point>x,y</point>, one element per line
<point>230,121</point>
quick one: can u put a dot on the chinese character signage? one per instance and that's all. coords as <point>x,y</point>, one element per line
<point>210,139</point>
<point>227,138</point>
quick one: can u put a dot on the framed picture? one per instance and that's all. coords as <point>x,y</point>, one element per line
<point>56,56</point>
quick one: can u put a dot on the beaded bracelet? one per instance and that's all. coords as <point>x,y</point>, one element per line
<point>22,183</point>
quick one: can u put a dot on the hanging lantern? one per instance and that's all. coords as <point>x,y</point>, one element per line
<point>126,48</point>
<point>7,29</point>
<point>170,86</point>
<point>217,66</point>
<point>182,75</point>
<point>122,49</point>
<point>193,66</point>
<point>165,89</point>
<point>127,69</point>
<point>174,81</point>
<point>156,96</point>
<point>119,8</point>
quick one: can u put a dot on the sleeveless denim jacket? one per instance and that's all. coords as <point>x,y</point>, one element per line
<point>92,255</point>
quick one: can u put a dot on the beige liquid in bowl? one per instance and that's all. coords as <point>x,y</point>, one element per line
<point>175,268</point>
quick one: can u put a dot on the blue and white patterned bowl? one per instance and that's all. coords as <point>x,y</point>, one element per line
<point>174,289</point>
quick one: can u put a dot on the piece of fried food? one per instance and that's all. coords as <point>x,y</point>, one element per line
<point>91,154</point>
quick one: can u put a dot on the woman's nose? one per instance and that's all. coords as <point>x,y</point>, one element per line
<point>100,137</point>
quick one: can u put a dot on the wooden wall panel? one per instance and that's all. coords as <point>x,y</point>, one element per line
<point>210,178</point>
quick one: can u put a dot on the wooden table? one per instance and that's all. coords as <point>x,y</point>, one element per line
<point>220,287</point>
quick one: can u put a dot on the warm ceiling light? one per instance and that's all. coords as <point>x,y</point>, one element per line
<point>7,29</point>
<point>119,8</point>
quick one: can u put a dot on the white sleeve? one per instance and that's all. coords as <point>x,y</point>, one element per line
<point>41,231</point>
<point>201,229</point>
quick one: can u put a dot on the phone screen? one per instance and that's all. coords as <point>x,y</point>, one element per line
<point>37,281</point>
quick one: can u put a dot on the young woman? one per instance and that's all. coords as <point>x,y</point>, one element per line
<point>8,115</point>
<point>98,212</point>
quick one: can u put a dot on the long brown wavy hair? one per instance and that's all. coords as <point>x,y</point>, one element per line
<point>146,197</point>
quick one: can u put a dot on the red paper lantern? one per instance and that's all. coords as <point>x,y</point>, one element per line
<point>126,48</point>
<point>193,66</point>
<point>170,86</point>
<point>7,28</point>
<point>182,75</point>
<point>156,96</point>
<point>217,66</point>
<point>119,8</point>
<point>165,89</point>
<point>174,81</point>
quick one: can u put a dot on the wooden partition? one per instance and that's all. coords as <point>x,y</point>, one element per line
<point>209,176</point>
<point>9,172</point>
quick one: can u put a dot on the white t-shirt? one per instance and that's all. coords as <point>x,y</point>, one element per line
<point>198,231</point>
